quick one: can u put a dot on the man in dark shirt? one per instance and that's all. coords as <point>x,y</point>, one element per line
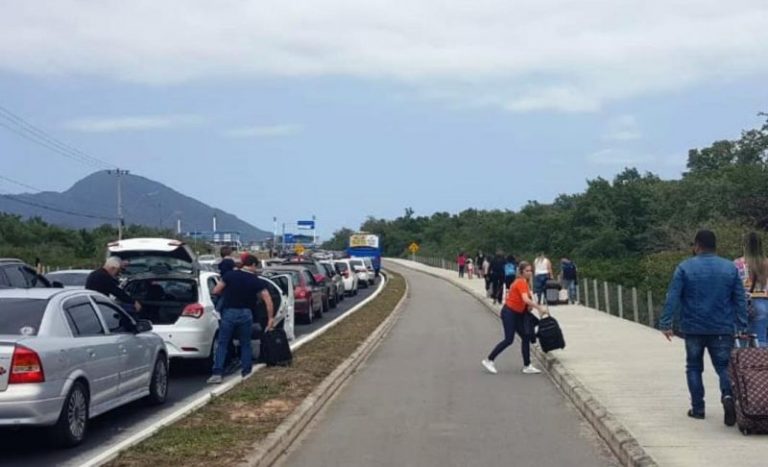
<point>226,263</point>
<point>497,277</point>
<point>104,280</point>
<point>241,289</point>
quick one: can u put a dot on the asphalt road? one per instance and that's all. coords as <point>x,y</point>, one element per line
<point>29,447</point>
<point>424,399</point>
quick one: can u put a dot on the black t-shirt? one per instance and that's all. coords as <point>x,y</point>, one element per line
<point>226,265</point>
<point>100,281</point>
<point>242,289</point>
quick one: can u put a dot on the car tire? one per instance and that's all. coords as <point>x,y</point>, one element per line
<point>158,385</point>
<point>206,364</point>
<point>72,425</point>
<point>335,302</point>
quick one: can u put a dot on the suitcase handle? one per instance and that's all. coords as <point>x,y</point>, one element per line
<point>750,338</point>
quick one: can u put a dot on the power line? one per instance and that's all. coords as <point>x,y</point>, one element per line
<point>55,209</point>
<point>23,128</point>
<point>34,188</point>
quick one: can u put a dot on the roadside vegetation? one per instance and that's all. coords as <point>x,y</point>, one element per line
<point>59,247</point>
<point>224,432</point>
<point>632,230</point>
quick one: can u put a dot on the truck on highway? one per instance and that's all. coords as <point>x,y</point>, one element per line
<point>365,245</point>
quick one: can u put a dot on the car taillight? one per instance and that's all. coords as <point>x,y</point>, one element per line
<point>194,310</point>
<point>26,367</point>
<point>300,292</point>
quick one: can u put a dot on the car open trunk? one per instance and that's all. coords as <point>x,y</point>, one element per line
<point>163,299</point>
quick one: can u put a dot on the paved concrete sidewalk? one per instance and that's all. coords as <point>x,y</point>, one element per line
<point>423,399</point>
<point>639,377</point>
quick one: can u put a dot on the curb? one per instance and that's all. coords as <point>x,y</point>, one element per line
<point>269,450</point>
<point>621,441</point>
<point>204,399</point>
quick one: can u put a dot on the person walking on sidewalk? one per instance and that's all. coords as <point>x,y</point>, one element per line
<point>242,289</point>
<point>514,314</point>
<point>462,262</point>
<point>479,260</point>
<point>470,269</point>
<point>487,275</point>
<point>510,271</point>
<point>542,273</point>
<point>753,271</point>
<point>497,277</point>
<point>708,294</point>
<point>569,278</point>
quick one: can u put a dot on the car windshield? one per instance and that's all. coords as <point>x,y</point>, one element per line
<point>341,267</point>
<point>21,316</point>
<point>357,262</point>
<point>70,279</point>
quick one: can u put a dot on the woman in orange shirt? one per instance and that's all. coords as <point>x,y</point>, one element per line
<point>513,313</point>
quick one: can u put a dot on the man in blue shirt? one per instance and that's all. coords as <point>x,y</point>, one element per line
<point>241,289</point>
<point>707,296</point>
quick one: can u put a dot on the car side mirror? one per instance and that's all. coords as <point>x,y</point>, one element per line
<point>143,325</point>
<point>57,285</point>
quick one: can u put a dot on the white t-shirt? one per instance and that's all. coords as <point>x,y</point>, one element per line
<point>541,266</point>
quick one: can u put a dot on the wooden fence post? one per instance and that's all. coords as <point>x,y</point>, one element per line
<point>650,309</point>
<point>607,298</point>
<point>634,305</point>
<point>621,304</point>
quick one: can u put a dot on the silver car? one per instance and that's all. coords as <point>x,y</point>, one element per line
<point>69,355</point>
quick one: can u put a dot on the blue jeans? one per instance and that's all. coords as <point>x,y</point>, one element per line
<point>719,349</point>
<point>513,323</point>
<point>540,286</point>
<point>759,323</point>
<point>234,322</point>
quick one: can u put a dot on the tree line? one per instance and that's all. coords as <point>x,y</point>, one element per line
<point>631,230</point>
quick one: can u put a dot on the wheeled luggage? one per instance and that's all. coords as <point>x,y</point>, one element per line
<point>550,335</point>
<point>552,292</point>
<point>275,350</point>
<point>748,371</point>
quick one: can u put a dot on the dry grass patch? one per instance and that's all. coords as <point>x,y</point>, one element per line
<point>222,432</point>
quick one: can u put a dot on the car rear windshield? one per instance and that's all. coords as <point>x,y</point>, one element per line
<point>156,265</point>
<point>341,267</point>
<point>72,279</point>
<point>357,262</point>
<point>21,316</point>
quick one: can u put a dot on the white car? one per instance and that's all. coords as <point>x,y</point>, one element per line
<point>364,277</point>
<point>345,269</point>
<point>176,295</point>
<point>371,270</point>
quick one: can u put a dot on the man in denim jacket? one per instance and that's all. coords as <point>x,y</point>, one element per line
<point>709,295</point>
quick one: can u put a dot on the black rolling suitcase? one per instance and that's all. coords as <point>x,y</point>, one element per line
<point>550,335</point>
<point>275,350</point>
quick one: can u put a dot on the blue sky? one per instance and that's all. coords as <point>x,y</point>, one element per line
<point>265,109</point>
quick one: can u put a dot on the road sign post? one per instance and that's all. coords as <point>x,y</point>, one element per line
<point>413,248</point>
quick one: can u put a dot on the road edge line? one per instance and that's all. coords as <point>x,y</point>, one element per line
<point>622,443</point>
<point>195,405</point>
<point>269,450</point>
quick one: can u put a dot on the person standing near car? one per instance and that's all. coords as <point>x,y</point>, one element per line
<point>241,289</point>
<point>104,280</point>
<point>708,296</point>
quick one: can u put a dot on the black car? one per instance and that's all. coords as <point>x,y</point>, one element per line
<point>15,274</point>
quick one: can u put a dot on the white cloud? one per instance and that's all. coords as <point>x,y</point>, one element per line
<point>267,131</point>
<point>623,128</point>
<point>563,55</point>
<point>131,123</point>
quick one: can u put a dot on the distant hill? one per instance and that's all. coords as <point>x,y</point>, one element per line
<point>92,202</point>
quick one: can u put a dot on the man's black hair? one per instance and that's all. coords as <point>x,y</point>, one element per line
<point>706,240</point>
<point>250,260</point>
<point>225,251</point>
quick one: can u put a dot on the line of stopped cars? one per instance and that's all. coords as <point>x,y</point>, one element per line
<point>68,354</point>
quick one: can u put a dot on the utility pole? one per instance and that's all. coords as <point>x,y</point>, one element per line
<point>120,219</point>
<point>274,236</point>
<point>314,231</point>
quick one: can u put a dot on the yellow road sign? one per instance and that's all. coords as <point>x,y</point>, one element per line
<point>413,248</point>
<point>299,249</point>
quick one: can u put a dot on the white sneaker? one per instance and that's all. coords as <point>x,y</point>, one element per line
<point>531,370</point>
<point>215,379</point>
<point>488,364</point>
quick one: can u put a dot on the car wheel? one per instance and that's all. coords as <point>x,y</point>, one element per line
<point>158,385</point>
<point>206,364</point>
<point>310,316</point>
<point>72,425</point>
<point>333,303</point>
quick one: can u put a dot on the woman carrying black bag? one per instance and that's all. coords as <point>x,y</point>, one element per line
<point>517,319</point>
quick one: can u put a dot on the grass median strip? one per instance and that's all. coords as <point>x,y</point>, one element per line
<point>225,430</point>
